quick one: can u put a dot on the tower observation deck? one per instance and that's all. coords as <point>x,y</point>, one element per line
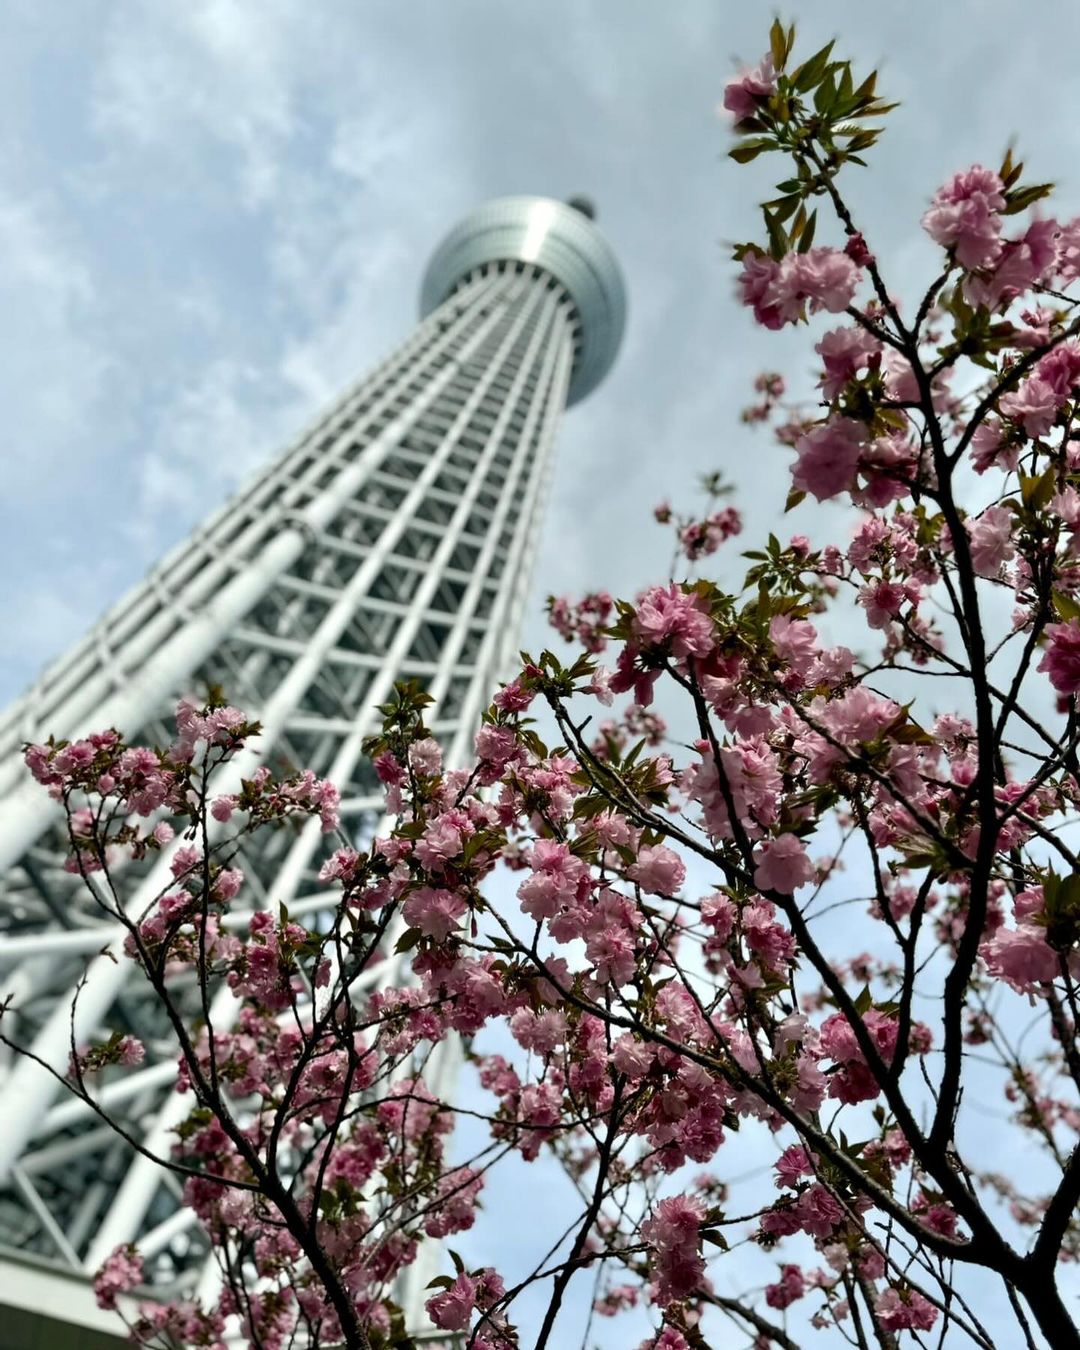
<point>392,540</point>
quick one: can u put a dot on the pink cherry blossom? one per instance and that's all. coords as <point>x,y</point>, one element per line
<point>701,538</point>
<point>857,250</point>
<point>844,352</point>
<point>964,216</point>
<point>1021,263</point>
<point>668,1339</point>
<point>782,865</point>
<point>452,1310</point>
<point>745,93</point>
<point>991,535</point>
<point>632,1057</point>
<point>673,617</point>
<point>673,1235</point>
<point>756,289</point>
<point>906,1311</point>
<point>989,449</point>
<point>718,911</point>
<point>434,912</point>
<point>658,870</point>
<point>769,941</point>
<point>882,602</point>
<point>558,879</point>
<point>542,1032</point>
<point>792,1165</point>
<point>818,1211</point>
<point>513,698</point>
<point>826,277</point>
<point>496,744</point>
<point>1034,405</point>
<point>1061,661</point>
<point>828,457</point>
<point>795,642</point>
<point>389,770</point>
<point>611,950</point>
<point>1021,957</point>
<point>600,686</point>
<point>122,1271</point>
<point>222,808</point>
<point>130,1051</point>
<point>1060,368</point>
<point>790,1287</point>
<point>426,756</point>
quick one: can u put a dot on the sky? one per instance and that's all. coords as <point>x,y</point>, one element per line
<point>214,215</point>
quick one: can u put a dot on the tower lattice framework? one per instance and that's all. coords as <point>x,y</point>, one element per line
<point>393,540</point>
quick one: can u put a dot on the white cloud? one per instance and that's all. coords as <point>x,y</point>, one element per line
<point>211,437</point>
<point>38,622</point>
<point>181,80</point>
<point>55,368</point>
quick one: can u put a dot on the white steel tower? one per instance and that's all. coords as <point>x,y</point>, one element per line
<point>392,540</point>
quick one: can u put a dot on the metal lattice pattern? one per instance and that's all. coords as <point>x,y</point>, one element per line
<point>392,541</point>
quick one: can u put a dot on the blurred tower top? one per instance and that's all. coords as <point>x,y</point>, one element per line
<point>557,238</point>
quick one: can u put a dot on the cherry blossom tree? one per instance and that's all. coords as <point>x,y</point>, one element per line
<point>683,957</point>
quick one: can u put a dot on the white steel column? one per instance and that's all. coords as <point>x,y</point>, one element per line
<point>142,1178</point>
<point>29,1089</point>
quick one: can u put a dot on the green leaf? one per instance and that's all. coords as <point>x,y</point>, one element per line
<point>1061,897</point>
<point>783,207</point>
<point>1069,892</point>
<point>1066,606</point>
<point>911,734</point>
<point>1022,198</point>
<point>863,140</point>
<point>807,236</point>
<point>825,97</point>
<point>1036,490</point>
<point>778,240</point>
<point>778,44</point>
<point>632,757</point>
<point>745,151</point>
<point>408,940</point>
<point>919,860</point>
<point>794,497</point>
<point>810,72</point>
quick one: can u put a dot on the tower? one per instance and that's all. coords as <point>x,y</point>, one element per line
<point>392,540</point>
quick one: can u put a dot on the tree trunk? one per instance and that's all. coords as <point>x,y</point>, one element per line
<point>1051,1315</point>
